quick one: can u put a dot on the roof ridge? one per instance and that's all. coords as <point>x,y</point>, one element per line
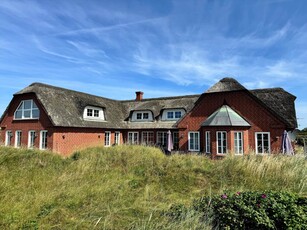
<point>70,90</point>
<point>162,98</point>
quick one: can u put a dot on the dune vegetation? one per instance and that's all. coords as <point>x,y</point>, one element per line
<point>128,187</point>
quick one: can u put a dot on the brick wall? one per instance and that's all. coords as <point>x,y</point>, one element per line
<point>259,117</point>
<point>8,122</point>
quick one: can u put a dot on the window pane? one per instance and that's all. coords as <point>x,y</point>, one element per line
<point>27,114</point>
<point>139,116</point>
<point>35,113</point>
<point>27,104</point>
<point>96,113</point>
<point>18,114</point>
<point>170,115</point>
<point>178,114</point>
<point>145,115</point>
<point>89,112</point>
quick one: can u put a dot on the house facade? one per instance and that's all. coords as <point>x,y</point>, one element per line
<point>225,119</point>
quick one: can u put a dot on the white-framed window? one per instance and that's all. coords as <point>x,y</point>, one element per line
<point>107,138</point>
<point>31,139</point>
<point>93,113</point>
<point>133,138</point>
<point>262,140</point>
<point>144,115</point>
<point>147,138</point>
<point>221,144</point>
<point>8,138</point>
<point>193,141</point>
<point>117,138</point>
<point>238,145</point>
<point>27,109</point>
<point>176,140</point>
<point>43,139</point>
<point>162,139</point>
<point>172,114</point>
<point>18,138</point>
<point>208,142</point>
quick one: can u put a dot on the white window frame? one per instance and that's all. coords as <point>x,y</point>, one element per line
<point>142,116</point>
<point>146,135</point>
<point>196,142</point>
<point>107,138</point>
<point>176,140</point>
<point>208,142</point>
<point>43,140</point>
<point>133,135</point>
<point>32,108</point>
<point>238,142</point>
<point>262,144</point>
<point>18,134</point>
<point>117,138</point>
<point>172,113</point>
<point>92,114</point>
<point>222,142</point>
<point>31,139</point>
<point>162,138</point>
<point>8,138</point>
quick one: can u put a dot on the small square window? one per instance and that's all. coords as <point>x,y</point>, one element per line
<point>89,112</point>
<point>145,115</point>
<point>139,116</point>
<point>170,115</point>
<point>178,114</point>
<point>96,113</point>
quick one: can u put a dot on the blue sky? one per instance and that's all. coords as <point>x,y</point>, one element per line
<point>164,48</point>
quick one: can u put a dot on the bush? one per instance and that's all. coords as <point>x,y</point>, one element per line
<point>250,210</point>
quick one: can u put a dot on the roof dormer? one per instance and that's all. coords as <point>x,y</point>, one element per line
<point>172,114</point>
<point>93,113</point>
<point>142,115</point>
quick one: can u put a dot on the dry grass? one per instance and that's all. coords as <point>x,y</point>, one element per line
<point>126,187</point>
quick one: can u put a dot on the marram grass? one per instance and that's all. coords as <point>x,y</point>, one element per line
<point>127,187</point>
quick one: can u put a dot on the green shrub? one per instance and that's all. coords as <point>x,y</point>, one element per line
<point>250,210</point>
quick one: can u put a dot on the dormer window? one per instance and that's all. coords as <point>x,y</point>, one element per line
<point>27,109</point>
<point>172,114</point>
<point>93,113</point>
<point>142,116</point>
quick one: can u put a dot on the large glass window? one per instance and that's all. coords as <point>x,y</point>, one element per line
<point>147,138</point>
<point>117,138</point>
<point>133,138</point>
<point>238,139</point>
<point>18,138</point>
<point>176,140</point>
<point>43,139</point>
<point>262,142</point>
<point>31,139</point>
<point>107,138</point>
<point>208,142</point>
<point>194,141</point>
<point>8,138</point>
<point>221,137</point>
<point>162,139</point>
<point>27,109</point>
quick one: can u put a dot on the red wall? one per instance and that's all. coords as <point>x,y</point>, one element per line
<point>260,119</point>
<point>8,123</point>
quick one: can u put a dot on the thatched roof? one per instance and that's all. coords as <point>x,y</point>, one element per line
<point>279,102</point>
<point>225,85</point>
<point>65,107</point>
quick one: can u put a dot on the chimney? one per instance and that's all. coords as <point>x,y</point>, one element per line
<point>139,96</point>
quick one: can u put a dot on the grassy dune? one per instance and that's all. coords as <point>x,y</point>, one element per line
<point>127,187</point>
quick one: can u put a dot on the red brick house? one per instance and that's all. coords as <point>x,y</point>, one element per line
<point>226,118</point>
